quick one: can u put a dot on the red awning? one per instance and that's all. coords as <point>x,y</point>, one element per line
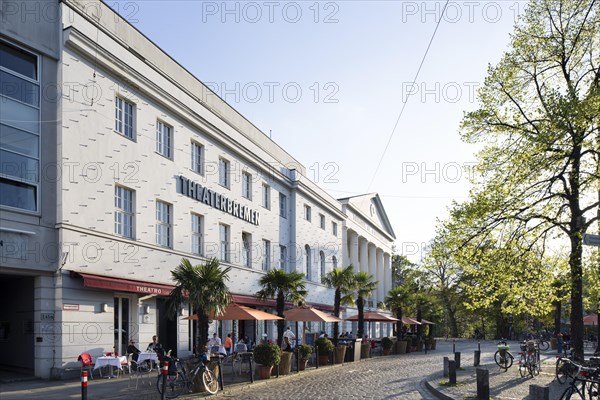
<point>123,285</point>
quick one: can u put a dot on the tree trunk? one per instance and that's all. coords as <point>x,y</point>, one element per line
<point>280,322</point>
<point>557,315</point>
<point>399,332</point>
<point>202,330</point>
<point>419,327</point>
<point>360,304</point>
<point>576,296</point>
<point>453,323</point>
<point>336,311</point>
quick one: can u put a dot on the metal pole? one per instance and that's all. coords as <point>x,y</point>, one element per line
<point>165,371</point>
<point>84,384</point>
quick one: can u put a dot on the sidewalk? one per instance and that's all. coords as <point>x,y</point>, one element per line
<point>503,384</point>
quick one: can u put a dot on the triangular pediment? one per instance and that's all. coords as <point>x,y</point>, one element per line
<point>370,207</point>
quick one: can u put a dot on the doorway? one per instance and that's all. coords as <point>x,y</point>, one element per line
<point>122,323</point>
<point>166,327</point>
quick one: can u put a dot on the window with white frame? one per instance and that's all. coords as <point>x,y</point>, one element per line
<point>19,128</point>
<point>322,262</point>
<point>283,258</point>
<point>247,185</point>
<point>164,224</point>
<point>197,158</point>
<point>334,228</point>
<point>224,242</point>
<point>124,112</point>
<point>198,234</point>
<point>266,256</point>
<point>124,212</point>
<point>307,212</point>
<point>282,205</point>
<point>164,139</point>
<point>266,196</point>
<point>246,250</point>
<point>224,172</point>
<point>308,263</point>
<point>322,221</point>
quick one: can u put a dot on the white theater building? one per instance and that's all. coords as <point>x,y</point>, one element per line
<point>150,167</point>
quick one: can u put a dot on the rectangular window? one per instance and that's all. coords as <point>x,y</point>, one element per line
<point>124,212</point>
<point>224,242</point>
<point>247,185</point>
<point>307,213</point>
<point>198,234</point>
<point>246,250</point>
<point>164,139</point>
<point>19,128</point>
<point>124,117</point>
<point>322,221</point>
<point>282,205</point>
<point>266,196</point>
<point>266,259</point>
<point>197,158</point>
<point>164,224</point>
<point>334,228</point>
<point>223,172</point>
<point>282,258</point>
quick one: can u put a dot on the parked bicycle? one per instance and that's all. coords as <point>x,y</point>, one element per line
<point>529,362</point>
<point>585,382</point>
<point>564,368</point>
<point>179,381</point>
<point>503,357</point>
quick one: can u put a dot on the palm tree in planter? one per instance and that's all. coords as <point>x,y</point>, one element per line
<point>364,286</point>
<point>342,280</point>
<point>283,286</point>
<point>396,299</point>
<point>203,287</point>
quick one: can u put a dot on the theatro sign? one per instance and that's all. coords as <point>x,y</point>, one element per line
<point>216,200</point>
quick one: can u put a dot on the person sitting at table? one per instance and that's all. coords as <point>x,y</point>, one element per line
<point>155,346</point>
<point>241,347</point>
<point>287,346</point>
<point>131,349</point>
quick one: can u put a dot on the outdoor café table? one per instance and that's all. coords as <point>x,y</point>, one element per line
<point>110,361</point>
<point>147,356</point>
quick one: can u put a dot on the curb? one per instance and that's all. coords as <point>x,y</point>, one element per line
<point>435,392</point>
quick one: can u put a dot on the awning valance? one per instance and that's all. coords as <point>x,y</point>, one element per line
<point>123,285</point>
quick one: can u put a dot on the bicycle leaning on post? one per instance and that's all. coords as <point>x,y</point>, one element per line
<point>529,362</point>
<point>180,381</point>
<point>503,357</point>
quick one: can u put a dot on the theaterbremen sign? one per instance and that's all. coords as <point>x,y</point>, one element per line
<point>196,191</point>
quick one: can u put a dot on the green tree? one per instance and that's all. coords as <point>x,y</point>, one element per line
<point>343,283</point>
<point>538,121</point>
<point>283,286</point>
<point>364,286</point>
<point>204,287</point>
<point>400,264</point>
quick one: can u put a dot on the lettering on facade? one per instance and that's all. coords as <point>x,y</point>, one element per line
<point>216,200</point>
<point>146,289</point>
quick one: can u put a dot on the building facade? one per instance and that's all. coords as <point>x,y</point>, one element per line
<point>140,165</point>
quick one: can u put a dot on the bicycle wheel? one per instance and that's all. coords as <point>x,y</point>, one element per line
<point>594,391</point>
<point>522,369</point>
<point>544,345</point>
<point>211,384</point>
<point>504,362</point>
<point>175,386</point>
<point>567,393</point>
<point>562,371</point>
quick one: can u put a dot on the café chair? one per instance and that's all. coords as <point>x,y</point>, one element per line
<point>86,363</point>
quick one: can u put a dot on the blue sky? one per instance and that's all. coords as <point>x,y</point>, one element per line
<point>328,80</point>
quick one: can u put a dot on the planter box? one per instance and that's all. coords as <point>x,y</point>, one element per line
<point>285,365</point>
<point>365,350</point>
<point>340,353</point>
<point>263,371</point>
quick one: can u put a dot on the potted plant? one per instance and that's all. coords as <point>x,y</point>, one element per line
<point>304,351</point>
<point>387,344</point>
<point>266,355</point>
<point>324,347</point>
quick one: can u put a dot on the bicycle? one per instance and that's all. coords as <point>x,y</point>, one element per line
<point>179,381</point>
<point>564,367</point>
<point>585,380</point>
<point>529,362</point>
<point>503,357</point>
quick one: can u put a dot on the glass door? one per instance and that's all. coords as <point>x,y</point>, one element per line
<point>122,324</point>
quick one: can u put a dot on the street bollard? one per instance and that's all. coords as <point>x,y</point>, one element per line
<point>483,384</point>
<point>452,372</point>
<point>457,359</point>
<point>476,358</point>
<point>165,371</point>
<point>445,367</point>
<point>537,392</point>
<point>84,383</point>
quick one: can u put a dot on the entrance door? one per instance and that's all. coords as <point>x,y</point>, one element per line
<point>167,327</point>
<point>122,324</point>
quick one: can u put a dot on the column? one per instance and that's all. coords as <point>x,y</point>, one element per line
<point>380,275</point>
<point>373,269</point>
<point>353,249</point>
<point>364,255</point>
<point>387,268</point>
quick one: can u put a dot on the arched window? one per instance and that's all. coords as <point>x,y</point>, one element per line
<point>308,266</point>
<point>322,259</point>
<point>334,262</point>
